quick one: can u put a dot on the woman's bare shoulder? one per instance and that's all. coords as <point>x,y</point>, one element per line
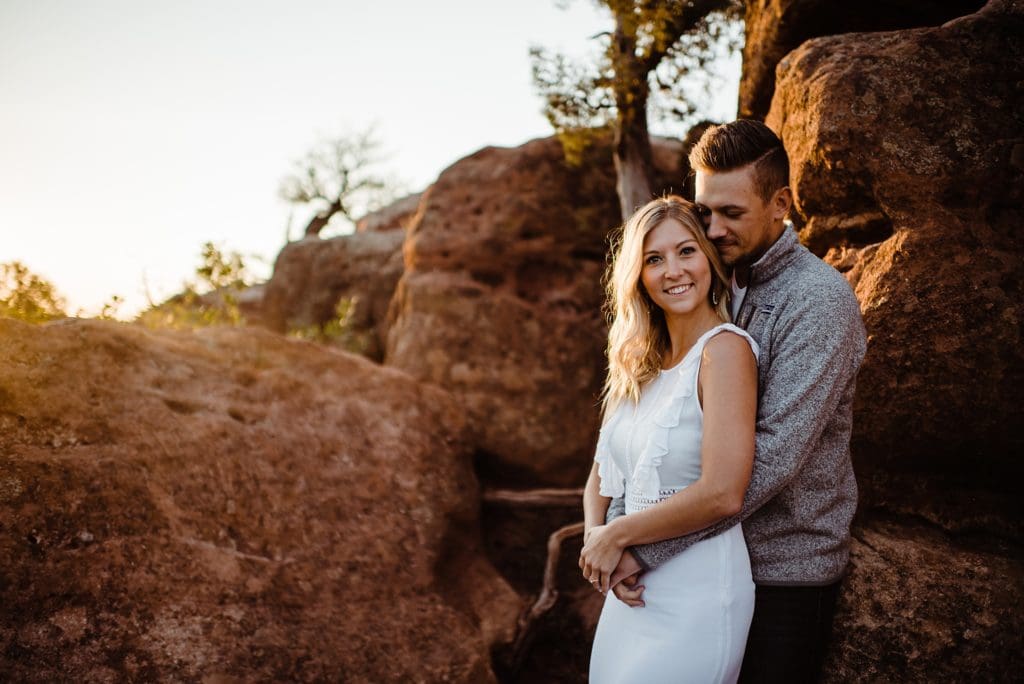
<point>728,347</point>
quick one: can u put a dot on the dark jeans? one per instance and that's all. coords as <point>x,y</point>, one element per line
<point>789,634</point>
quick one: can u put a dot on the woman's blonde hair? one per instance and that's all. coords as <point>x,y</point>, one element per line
<point>638,336</point>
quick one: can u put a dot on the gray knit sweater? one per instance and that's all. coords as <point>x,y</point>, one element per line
<point>802,495</point>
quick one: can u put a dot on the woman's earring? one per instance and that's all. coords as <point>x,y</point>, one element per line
<point>714,297</point>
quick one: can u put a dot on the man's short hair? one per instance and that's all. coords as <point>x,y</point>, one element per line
<point>739,143</point>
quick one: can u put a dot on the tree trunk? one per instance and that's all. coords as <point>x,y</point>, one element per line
<point>633,158</point>
<point>320,221</point>
<point>633,161</point>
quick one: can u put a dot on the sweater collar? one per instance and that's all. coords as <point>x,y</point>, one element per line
<point>782,252</point>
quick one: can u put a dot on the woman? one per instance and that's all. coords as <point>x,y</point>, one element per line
<point>677,439</point>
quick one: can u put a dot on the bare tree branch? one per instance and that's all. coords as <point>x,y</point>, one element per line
<point>676,19</point>
<point>548,595</point>
<point>340,177</point>
<point>534,497</point>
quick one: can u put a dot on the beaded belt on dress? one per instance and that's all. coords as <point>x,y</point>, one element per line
<point>635,501</point>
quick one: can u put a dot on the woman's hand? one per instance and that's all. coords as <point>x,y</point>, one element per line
<point>600,556</point>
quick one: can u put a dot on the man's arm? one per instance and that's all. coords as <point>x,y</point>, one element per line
<point>616,508</point>
<point>816,354</point>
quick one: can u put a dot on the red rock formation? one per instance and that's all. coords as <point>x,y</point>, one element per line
<point>905,177</point>
<point>500,302</point>
<point>397,215</point>
<point>919,606</point>
<point>312,275</point>
<point>233,506</point>
<point>906,152</point>
<point>774,27</point>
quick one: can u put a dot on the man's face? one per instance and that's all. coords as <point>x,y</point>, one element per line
<point>741,224</point>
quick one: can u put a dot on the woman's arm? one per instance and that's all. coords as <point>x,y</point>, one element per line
<point>728,388</point>
<point>595,506</point>
<point>728,391</point>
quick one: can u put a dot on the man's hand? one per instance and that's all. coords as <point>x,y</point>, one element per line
<point>625,580</point>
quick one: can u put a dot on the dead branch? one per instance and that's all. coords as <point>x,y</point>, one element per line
<point>538,498</point>
<point>548,595</point>
<point>534,497</point>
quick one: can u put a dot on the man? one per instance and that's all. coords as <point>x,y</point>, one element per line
<point>802,495</point>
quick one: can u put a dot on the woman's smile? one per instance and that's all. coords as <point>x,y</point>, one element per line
<point>676,274</point>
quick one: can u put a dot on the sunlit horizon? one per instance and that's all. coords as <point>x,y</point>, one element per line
<point>132,132</point>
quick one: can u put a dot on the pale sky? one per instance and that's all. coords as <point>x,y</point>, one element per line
<point>133,131</point>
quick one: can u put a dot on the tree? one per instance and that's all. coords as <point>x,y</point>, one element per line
<point>27,296</point>
<point>340,177</point>
<point>108,312</point>
<point>211,298</point>
<point>654,47</point>
<point>218,270</point>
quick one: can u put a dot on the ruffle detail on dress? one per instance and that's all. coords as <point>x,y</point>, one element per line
<point>613,482</point>
<point>646,480</point>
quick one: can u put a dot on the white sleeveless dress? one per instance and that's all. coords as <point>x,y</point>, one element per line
<point>698,605</point>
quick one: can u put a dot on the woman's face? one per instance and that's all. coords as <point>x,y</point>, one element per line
<point>675,272</point>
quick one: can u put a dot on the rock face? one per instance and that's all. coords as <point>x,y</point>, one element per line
<point>500,302</point>
<point>920,607</point>
<point>397,215</point>
<point>233,506</point>
<point>312,275</point>
<point>908,179</point>
<point>907,153</point>
<point>359,271</point>
<point>774,27</point>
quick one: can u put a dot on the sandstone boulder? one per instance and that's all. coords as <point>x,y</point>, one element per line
<point>250,303</point>
<point>312,276</point>
<point>775,27</point>
<point>921,606</point>
<point>230,505</point>
<point>500,302</point>
<point>906,166</point>
<point>397,215</point>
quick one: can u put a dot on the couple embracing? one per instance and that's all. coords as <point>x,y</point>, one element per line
<point>718,509</point>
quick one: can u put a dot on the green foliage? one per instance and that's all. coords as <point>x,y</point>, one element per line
<point>578,99</point>
<point>110,307</point>
<point>209,299</point>
<point>338,331</point>
<point>218,270</point>
<point>670,43</point>
<point>27,296</point>
<point>686,77</point>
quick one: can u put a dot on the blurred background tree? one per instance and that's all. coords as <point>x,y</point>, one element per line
<point>218,270</point>
<point>109,310</point>
<point>210,298</point>
<point>341,179</point>
<point>27,296</point>
<point>657,47</point>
